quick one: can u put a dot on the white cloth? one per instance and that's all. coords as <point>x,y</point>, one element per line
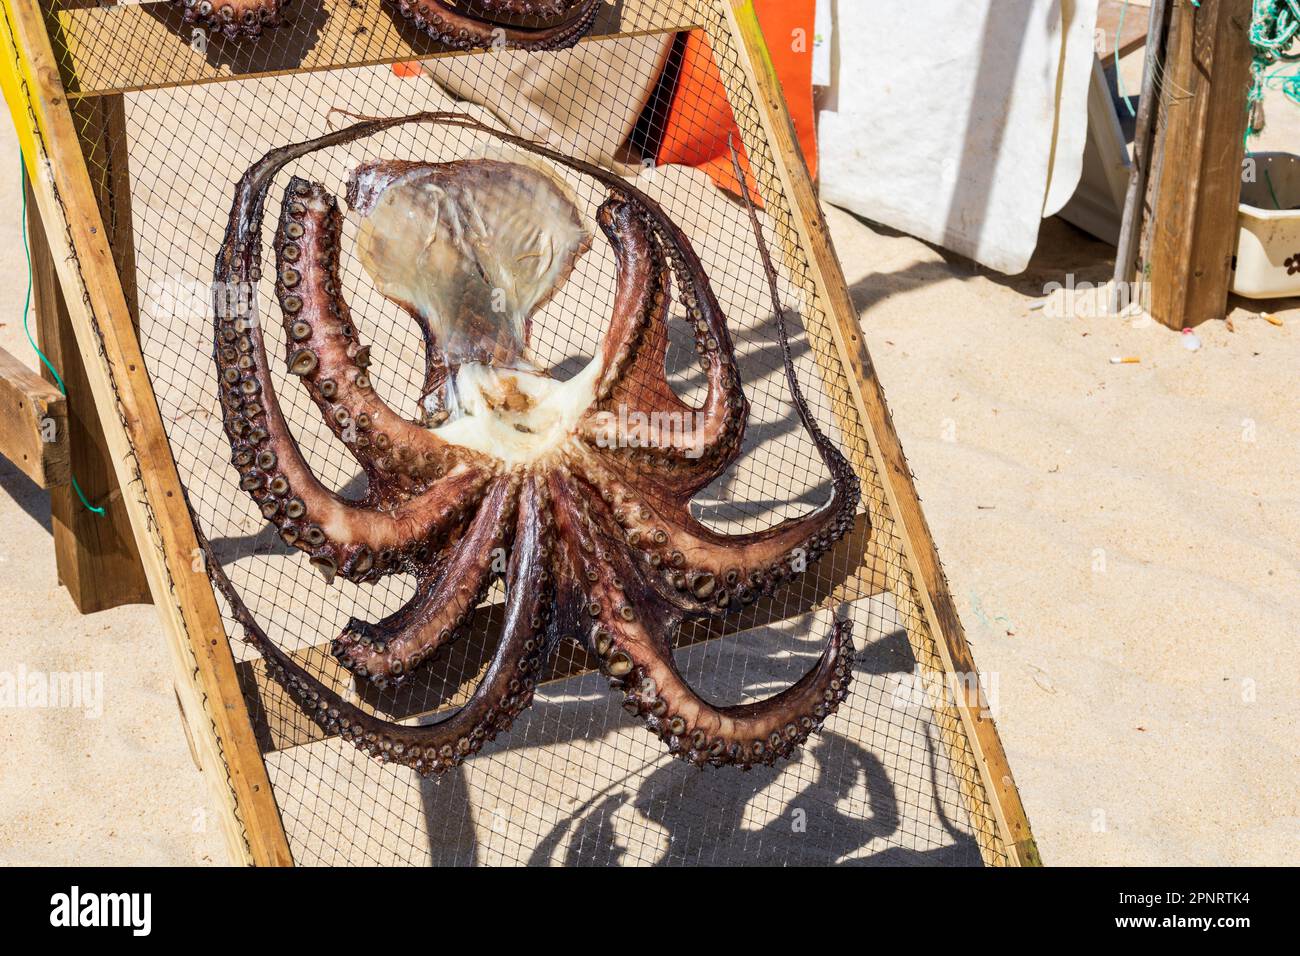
<point>942,118</point>
<point>1080,20</point>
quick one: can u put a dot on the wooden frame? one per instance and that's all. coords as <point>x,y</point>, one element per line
<point>208,680</point>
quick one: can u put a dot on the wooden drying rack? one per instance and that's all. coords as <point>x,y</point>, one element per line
<point>63,111</point>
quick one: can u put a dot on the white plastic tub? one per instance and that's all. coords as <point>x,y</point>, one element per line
<point>1268,245</point>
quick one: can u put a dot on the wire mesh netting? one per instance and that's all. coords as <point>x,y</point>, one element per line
<point>891,779</point>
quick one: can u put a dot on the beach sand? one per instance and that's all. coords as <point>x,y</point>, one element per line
<point>1120,540</point>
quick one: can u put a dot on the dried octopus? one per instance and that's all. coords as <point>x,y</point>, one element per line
<point>458,24</point>
<point>591,510</point>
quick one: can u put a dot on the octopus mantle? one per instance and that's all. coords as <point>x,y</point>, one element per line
<point>511,474</point>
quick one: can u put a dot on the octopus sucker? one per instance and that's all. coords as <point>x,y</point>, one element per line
<point>232,18</point>
<point>595,544</point>
<point>512,24</point>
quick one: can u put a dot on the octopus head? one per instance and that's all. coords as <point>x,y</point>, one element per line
<point>472,249</point>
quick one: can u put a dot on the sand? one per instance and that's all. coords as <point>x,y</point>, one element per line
<point>1119,539</point>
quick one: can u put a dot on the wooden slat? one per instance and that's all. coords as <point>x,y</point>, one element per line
<point>145,46</point>
<point>202,662</point>
<point>95,554</point>
<point>33,424</point>
<point>1196,180</point>
<point>922,556</point>
<point>846,573</point>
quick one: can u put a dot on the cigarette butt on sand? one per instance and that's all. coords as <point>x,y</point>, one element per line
<point>1271,319</point>
<point>1125,360</point>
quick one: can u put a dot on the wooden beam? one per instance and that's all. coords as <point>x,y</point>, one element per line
<point>95,554</point>
<point>845,574</point>
<point>1197,173</point>
<point>924,566</point>
<point>146,47</point>
<point>202,663</point>
<point>33,424</point>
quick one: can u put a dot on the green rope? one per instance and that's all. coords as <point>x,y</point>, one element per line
<point>1275,35</point>
<point>27,307</point>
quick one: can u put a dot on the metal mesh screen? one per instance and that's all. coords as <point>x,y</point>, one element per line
<point>891,779</point>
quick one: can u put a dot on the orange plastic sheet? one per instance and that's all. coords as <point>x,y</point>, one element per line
<point>700,117</point>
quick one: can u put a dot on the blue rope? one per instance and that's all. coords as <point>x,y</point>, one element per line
<point>27,306</point>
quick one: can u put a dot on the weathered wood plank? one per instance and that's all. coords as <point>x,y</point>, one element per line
<point>1197,178</point>
<point>33,424</point>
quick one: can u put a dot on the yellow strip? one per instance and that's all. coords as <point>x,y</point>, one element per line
<point>15,79</point>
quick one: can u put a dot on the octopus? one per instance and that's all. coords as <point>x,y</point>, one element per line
<point>557,488</point>
<point>456,24</point>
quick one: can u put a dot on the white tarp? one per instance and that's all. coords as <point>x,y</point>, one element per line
<point>962,122</point>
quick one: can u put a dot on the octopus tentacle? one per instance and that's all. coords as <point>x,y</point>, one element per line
<point>376,632</point>
<point>325,351</point>
<point>467,29</point>
<point>505,691</point>
<point>389,651</point>
<point>233,18</point>
<point>630,634</point>
<point>342,536</point>
<point>352,538</point>
<point>712,571</point>
<point>688,447</point>
<point>634,339</point>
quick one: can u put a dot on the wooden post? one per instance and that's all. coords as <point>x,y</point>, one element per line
<point>95,554</point>
<point>33,424</point>
<point>1189,244</point>
<point>1134,200</point>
